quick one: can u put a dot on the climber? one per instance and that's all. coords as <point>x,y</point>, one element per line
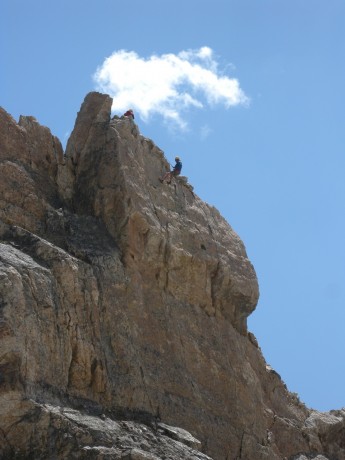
<point>129,114</point>
<point>175,172</point>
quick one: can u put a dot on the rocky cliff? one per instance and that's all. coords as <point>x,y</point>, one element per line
<point>123,306</point>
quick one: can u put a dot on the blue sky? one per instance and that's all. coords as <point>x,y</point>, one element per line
<point>268,154</point>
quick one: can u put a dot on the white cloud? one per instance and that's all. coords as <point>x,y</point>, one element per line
<point>166,85</point>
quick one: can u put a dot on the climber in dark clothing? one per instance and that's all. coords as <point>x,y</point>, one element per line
<point>175,172</point>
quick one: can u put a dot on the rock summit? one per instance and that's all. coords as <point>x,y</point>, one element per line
<point>123,308</point>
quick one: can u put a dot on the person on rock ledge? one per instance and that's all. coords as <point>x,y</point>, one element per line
<point>129,114</point>
<point>175,172</point>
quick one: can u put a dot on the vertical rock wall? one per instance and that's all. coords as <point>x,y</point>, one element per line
<point>123,296</point>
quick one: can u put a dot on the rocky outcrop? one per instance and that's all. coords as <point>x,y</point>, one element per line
<point>123,306</point>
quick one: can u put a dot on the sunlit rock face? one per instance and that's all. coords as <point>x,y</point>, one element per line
<point>123,306</point>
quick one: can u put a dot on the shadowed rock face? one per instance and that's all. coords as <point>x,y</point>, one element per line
<point>125,299</point>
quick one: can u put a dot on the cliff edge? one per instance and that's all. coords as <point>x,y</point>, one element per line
<point>123,307</point>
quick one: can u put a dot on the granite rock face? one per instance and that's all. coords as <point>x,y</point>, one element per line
<point>123,306</point>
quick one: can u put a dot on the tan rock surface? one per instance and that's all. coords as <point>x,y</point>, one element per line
<point>126,297</point>
<point>29,158</point>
